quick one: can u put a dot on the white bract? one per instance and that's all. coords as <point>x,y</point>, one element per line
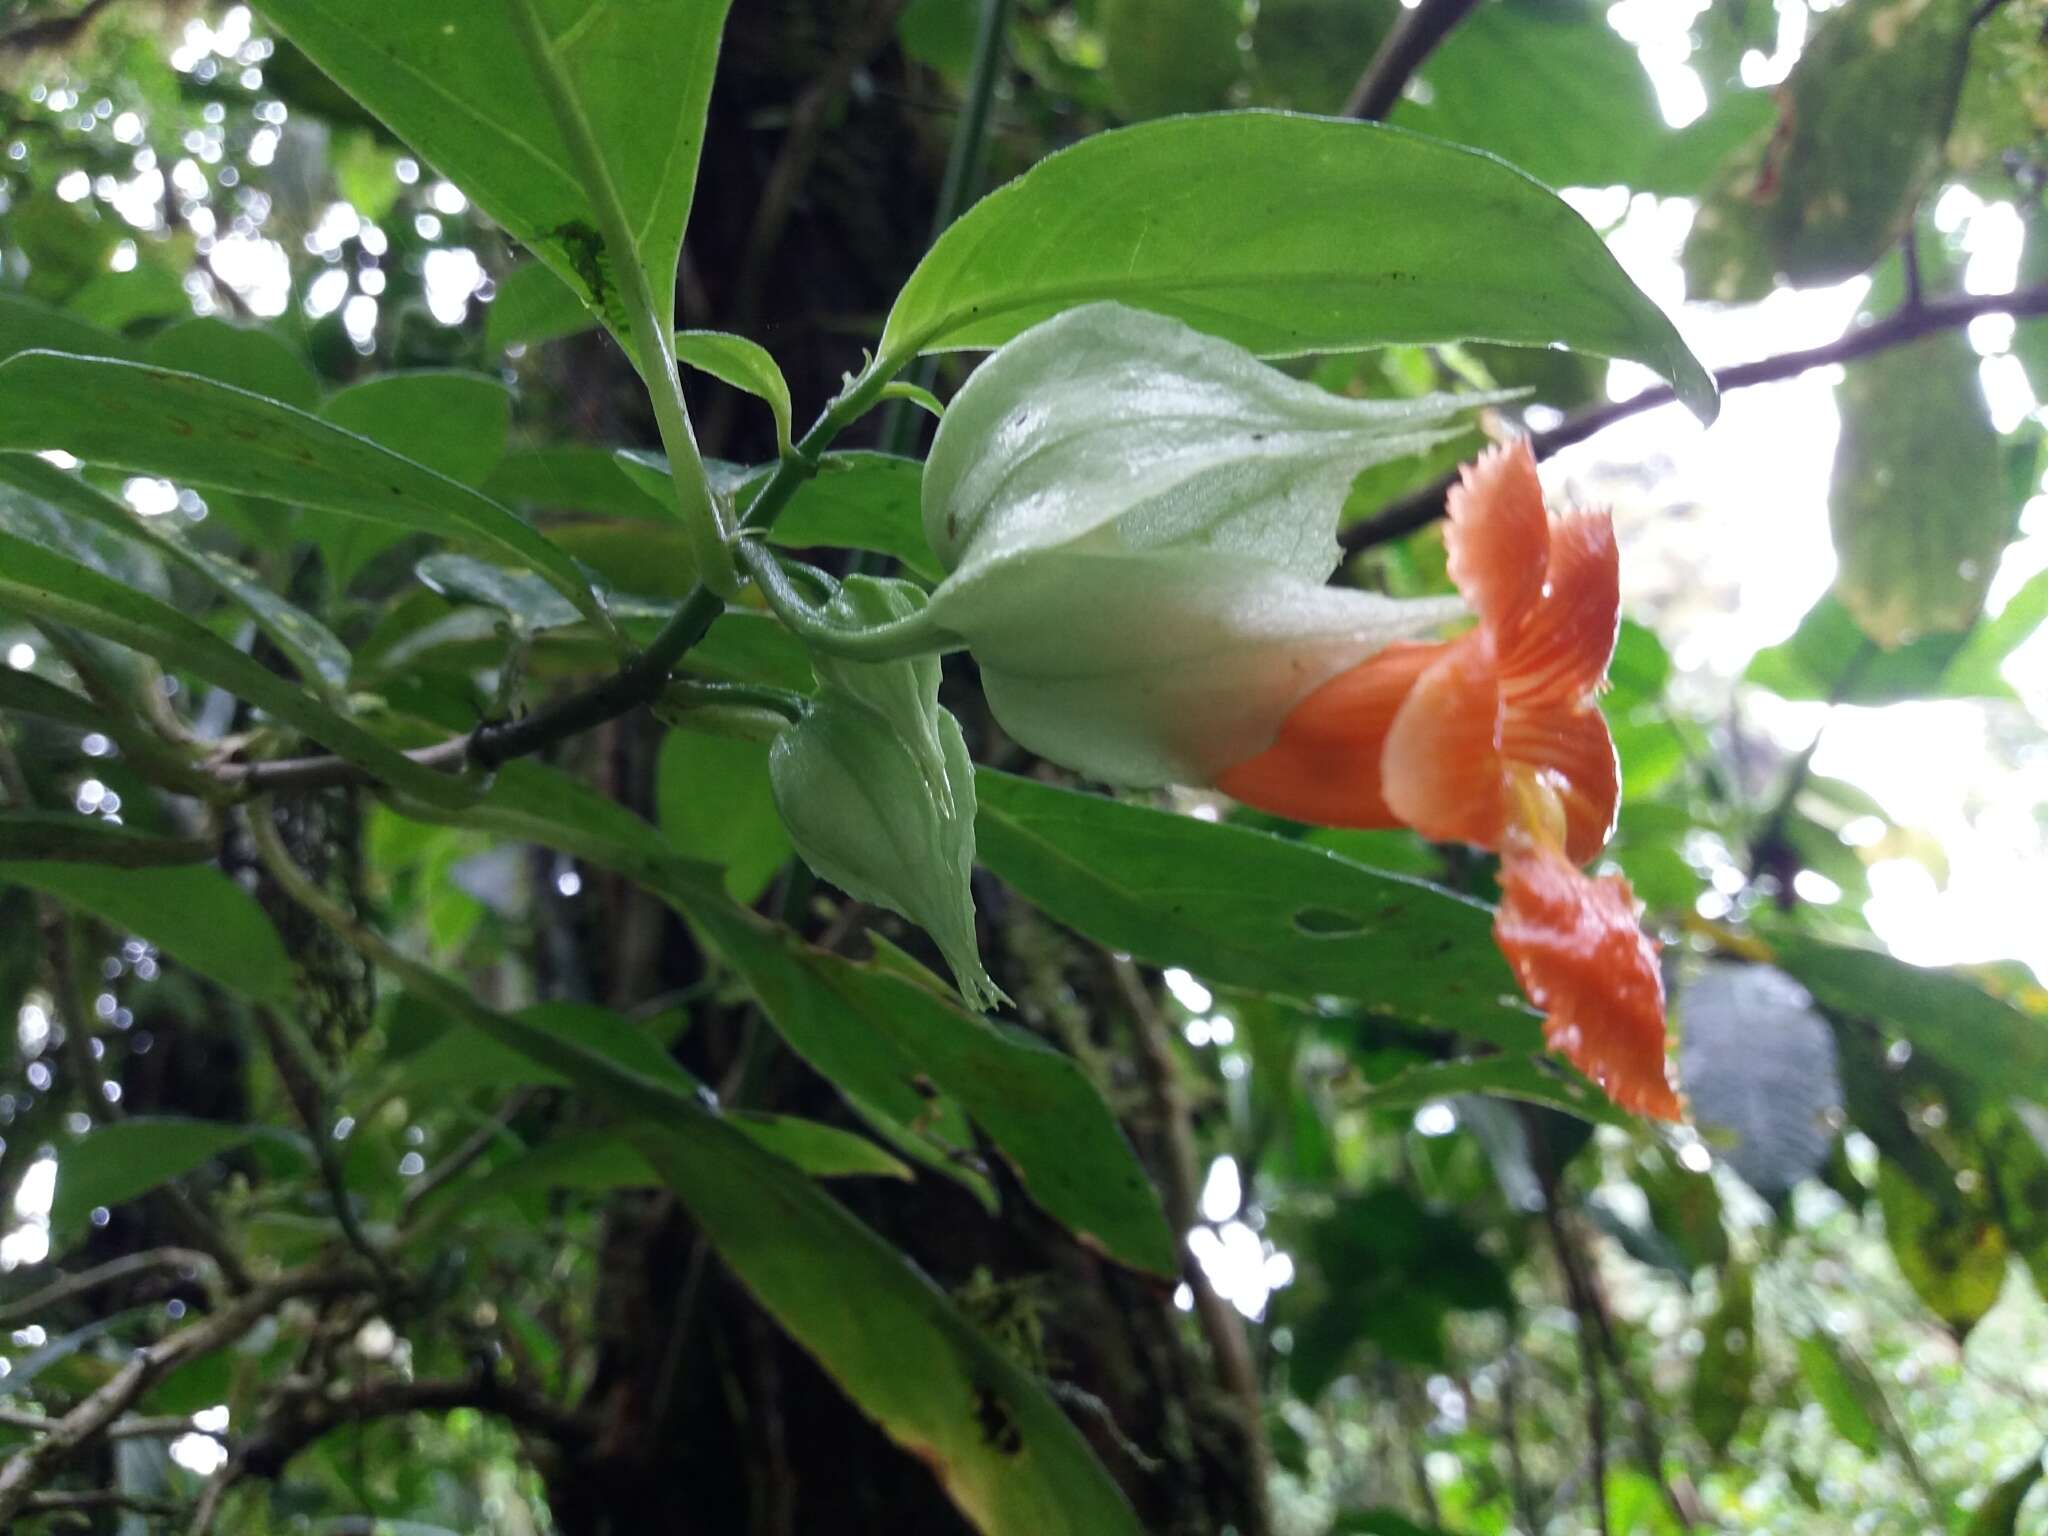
<point>1137,521</point>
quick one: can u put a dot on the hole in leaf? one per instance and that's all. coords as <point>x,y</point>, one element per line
<point>1327,923</point>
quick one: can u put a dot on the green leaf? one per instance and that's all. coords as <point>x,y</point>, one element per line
<point>713,802</point>
<point>32,695</point>
<point>1954,1021</point>
<point>1528,1079</point>
<point>1548,86</point>
<point>69,837</point>
<point>1286,235</point>
<point>1953,1256</point>
<point>46,586</point>
<point>1920,503</point>
<point>1723,1382</point>
<point>743,364</point>
<point>239,355</point>
<point>314,651</point>
<point>1999,1514</point>
<point>934,1382</point>
<point>1250,910</point>
<point>1165,56</point>
<point>1829,657</point>
<point>579,478</point>
<point>26,326</point>
<point>153,421</point>
<point>454,423</point>
<point>196,915</point>
<point>1859,139</point>
<point>116,1162</point>
<point>451,79</point>
<point>1034,1104</point>
<point>1308,54</point>
<point>1842,1390</point>
<point>533,305</point>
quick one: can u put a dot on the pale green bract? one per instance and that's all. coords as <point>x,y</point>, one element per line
<point>1138,522</point>
<point>877,790</point>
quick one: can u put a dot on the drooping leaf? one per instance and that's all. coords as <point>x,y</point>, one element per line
<point>196,915</point>
<point>1949,1249</point>
<point>743,364</point>
<point>153,421</point>
<point>47,586</point>
<point>1859,137</point>
<point>1251,910</point>
<point>125,1158</point>
<point>1841,1389</point>
<point>318,656</point>
<point>1758,1065</point>
<point>911,1045</point>
<point>933,1382</point>
<point>1956,1022</point>
<point>1919,503</point>
<point>451,78</point>
<point>1286,235</point>
<point>1999,1514</point>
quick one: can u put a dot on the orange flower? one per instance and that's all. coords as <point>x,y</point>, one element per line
<point>1494,739</point>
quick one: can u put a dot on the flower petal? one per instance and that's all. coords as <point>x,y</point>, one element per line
<point>1559,656</point>
<point>1576,947</point>
<point>1570,753</point>
<point>1499,537</point>
<point>1324,767</point>
<point>1441,771</point>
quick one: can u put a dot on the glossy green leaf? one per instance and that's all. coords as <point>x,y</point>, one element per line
<point>196,915</point>
<point>317,655</point>
<point>451,78</point>
<point>1953,1020</point>
<point>712,800</point>
<point>892,1340</point>
<point>69,837</point>
<point>189,429</point>
<point>1527,1079</point>
<point>533,305</point>
<point>1920,503</point>
<point>1286,235</point>
<point>1035,1104</point>
<point>125,1158</point>
<point>857,500</point>
<point>1250,910</point>
<point>743,364</point>
<point>243,356</point>
<point>46,586</point>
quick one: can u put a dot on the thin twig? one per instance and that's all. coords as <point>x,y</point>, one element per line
<point>25,1471</point>
<point>1420,508</point>
<point>99,1498</point>
<point>36,1303</point>
<point>1414,37</point>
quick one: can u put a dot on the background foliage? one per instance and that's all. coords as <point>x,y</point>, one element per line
<point>536,1161</point>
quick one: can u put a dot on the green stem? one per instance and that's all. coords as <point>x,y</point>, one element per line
<point>652,333</point>
<point>915,635</point>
